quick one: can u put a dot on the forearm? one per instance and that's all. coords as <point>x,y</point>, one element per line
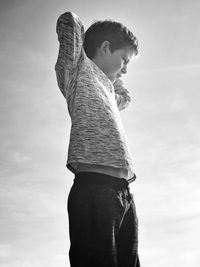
<point>122,95</point>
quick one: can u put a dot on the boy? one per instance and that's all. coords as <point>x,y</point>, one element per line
<point>102,215</point>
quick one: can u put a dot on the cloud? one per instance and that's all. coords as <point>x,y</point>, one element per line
<point>161,124</point>
<point>174,68</point>
<point>5,251</point>
<point>50,261</point>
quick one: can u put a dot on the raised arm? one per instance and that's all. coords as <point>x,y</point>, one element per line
<point>122,95</point>
<point>70,36</point>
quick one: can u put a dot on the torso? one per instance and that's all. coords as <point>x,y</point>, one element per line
<point>116,172</point>
<point>97,134</point>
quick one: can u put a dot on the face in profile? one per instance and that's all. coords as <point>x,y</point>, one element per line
<point>116,62</point>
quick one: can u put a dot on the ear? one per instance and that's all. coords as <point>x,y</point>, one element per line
<point>105,47</point>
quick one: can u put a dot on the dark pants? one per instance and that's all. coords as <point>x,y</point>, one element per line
<point>103,224</point>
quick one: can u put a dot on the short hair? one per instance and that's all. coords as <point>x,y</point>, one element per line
<point>116,33</point>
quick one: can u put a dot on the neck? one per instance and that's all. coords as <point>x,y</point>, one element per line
<point>97,62</point>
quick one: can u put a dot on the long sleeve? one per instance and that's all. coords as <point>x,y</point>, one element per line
<point>122,95</point>
<point>70,36</point>
<point>97,136</point>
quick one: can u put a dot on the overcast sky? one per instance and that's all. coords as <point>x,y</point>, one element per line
<point>162,126</point>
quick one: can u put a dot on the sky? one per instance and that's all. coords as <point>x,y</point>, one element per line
<point>161,123</point>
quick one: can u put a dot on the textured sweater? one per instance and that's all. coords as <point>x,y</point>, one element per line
<point>97,135</point>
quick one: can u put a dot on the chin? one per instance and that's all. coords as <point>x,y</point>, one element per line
<point>112,78</point>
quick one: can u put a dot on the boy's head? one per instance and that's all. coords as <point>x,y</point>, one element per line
<point>110,45</point>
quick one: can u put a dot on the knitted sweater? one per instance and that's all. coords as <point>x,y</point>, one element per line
<point>97,134</point>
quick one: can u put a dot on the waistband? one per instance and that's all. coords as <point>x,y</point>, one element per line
<point>100,179</point>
